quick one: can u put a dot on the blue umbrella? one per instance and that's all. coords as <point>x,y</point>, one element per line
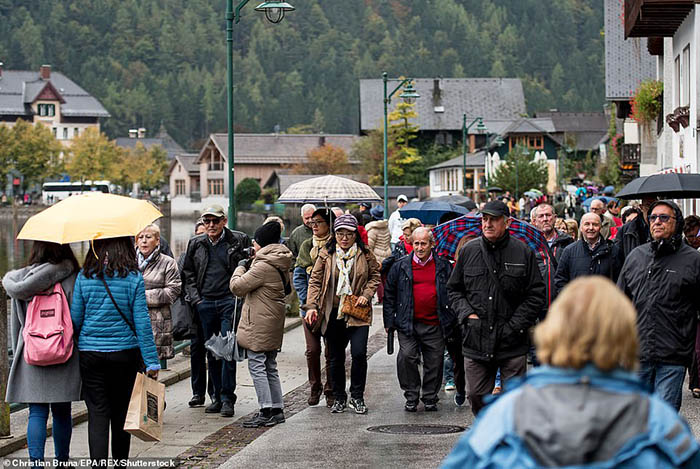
<point>431,212</point>
<point>609,190</point>
<point>604,198</point>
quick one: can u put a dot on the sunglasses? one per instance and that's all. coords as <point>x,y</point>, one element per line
<point>663,218</point>
<point>211,221</point>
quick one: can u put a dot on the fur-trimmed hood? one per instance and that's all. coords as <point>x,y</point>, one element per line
<point>24,283</point>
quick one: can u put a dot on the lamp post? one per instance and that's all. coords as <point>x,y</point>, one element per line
<point>409,96</point>
<point>274,12</point>
<point>465,128</point>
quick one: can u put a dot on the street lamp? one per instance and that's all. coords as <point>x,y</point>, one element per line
<point>274,12</point>
<point>481,128</point>
<point>409,96</point>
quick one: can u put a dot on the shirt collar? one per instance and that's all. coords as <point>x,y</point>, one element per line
<point>214,243</point>
<point>594,245</point>
<point>417,260</point>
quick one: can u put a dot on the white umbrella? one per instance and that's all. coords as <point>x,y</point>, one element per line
<point>328,190</point>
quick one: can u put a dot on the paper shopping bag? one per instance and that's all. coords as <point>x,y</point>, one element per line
<point>144,419</point>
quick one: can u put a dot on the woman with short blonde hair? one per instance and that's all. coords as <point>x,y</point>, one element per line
<point>584,407</point>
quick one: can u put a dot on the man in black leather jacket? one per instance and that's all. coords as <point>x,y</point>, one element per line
<point>497,292</point>
<point>210,261</point>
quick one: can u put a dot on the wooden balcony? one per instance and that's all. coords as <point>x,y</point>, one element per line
<point>655,18</point>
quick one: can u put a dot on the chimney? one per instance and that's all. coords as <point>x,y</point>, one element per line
<point>45,72</point>
<point>133,133</point>
<point>142,132</point>
<point>321,140</point>
<point>437,91</point>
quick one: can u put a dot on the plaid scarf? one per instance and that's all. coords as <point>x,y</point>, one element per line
<point>344,261</point>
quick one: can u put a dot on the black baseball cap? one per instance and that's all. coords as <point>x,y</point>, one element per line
<point>496,208</point>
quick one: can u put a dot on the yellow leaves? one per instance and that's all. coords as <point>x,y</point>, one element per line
<point>327,159</point>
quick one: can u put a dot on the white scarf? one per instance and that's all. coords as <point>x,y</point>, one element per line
<point>344,261</point>
<point>144,261</point>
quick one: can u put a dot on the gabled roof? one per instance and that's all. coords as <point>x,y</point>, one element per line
<point>18,89</point>
<point>627,62</point>
<point>187,160</point>
<point>275,148</point>
<point>526,125</point>
<point>443,101</point>
<point>168,144</point>
<point>474,160</point>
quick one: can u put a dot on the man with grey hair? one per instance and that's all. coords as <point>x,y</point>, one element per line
<point>598,207</point>
<point>416,306</point>
<point>302,232</point>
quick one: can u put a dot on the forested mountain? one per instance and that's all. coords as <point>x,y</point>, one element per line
<point>165,60</point>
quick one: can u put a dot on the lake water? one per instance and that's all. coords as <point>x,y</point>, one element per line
<point>14,253</point>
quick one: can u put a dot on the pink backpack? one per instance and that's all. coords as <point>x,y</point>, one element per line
<point>48,329</point>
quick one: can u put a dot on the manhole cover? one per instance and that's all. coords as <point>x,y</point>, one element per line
<point>417,429</point>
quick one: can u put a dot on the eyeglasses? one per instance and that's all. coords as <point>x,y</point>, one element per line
<point>344,234</point>
<point>211,221</point>
<point>317,222</point>
<point>663,218</point>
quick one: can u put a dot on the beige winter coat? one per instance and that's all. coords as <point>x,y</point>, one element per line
<point>162,281</point>
<point>379,239</point>
<point>262,318</point>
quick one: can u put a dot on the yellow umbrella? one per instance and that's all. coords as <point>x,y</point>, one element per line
<point>93,215</point>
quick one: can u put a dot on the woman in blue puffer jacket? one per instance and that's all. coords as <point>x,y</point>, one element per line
<point>115,340</point>
<point>584,408</point>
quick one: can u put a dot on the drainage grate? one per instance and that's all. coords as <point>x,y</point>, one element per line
<point>417,429</point>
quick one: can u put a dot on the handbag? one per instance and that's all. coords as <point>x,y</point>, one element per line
<point>144,417</point>
<point>361,312</point>
<point>184,326</point>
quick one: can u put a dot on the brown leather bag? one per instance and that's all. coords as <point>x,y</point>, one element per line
<point>363,313</point>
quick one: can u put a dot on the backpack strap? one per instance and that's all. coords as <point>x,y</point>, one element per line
<point>285,282</point>
<point>109,292</point>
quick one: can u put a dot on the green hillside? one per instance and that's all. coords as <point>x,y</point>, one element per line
<point>165,60</point>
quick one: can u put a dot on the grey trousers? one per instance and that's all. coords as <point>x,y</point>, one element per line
<point>481,377</point>
<point>266,379</point>
<point>426,341</point>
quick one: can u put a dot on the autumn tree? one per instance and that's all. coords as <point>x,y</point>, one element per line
<point>93,156</point>
<point>139,165</point>
<point>5,160</point>
<point>328,159</point>
<point>33,152</point>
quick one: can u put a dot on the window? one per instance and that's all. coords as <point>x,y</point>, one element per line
<point>215,186</point>
<point>685,69</point>
<point>532,142</point>
<point>47,110</point>
<point>65,133</point>
<point>216,163</point>
<point>677,81</point>
<point>55,132</point>
<point>179,187</point>
<point>76,132</point>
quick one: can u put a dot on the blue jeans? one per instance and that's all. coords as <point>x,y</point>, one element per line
<point>666,381</point>
<point>301,284</point>
<point>448,367</point>
<point>217,316</point>
<point>36,430</point>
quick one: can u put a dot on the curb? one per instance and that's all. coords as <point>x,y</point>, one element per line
<point>168,377</point>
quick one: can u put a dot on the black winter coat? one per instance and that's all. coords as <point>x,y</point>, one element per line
<point>631,235</point>
<point>549,267</point>
<point>398,296</point>
<point>578,260</point>
<point>665,289</point>
<point>197,258</point>
<point>506,312</point>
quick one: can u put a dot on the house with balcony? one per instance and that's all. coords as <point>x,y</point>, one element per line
<point>671,30</point>
<point>49,98</point>
<point>256,156</point>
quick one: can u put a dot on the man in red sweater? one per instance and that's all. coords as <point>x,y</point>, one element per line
<point>416,305</point>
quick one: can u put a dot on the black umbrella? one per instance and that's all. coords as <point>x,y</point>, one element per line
<point>669,185</point>
<point>457,199</point>
<point>494,189</point>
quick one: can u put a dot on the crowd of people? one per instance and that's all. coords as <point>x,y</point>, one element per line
<point>615,296</point>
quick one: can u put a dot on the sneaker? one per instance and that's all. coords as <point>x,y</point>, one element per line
<point>431,407</point>
<point>213,408</point>
<point>410,406</point>
<point>459,399</point>
<point>196,401</point>
<point>276,418</point>
<point>450,385</point>
<point>329,401</point>
<point>227,409</point>
<point>358,405</point>
<point>258,420</point>
<point>338,407</point>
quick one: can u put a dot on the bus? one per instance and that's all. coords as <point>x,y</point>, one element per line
<point>52,192</point>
